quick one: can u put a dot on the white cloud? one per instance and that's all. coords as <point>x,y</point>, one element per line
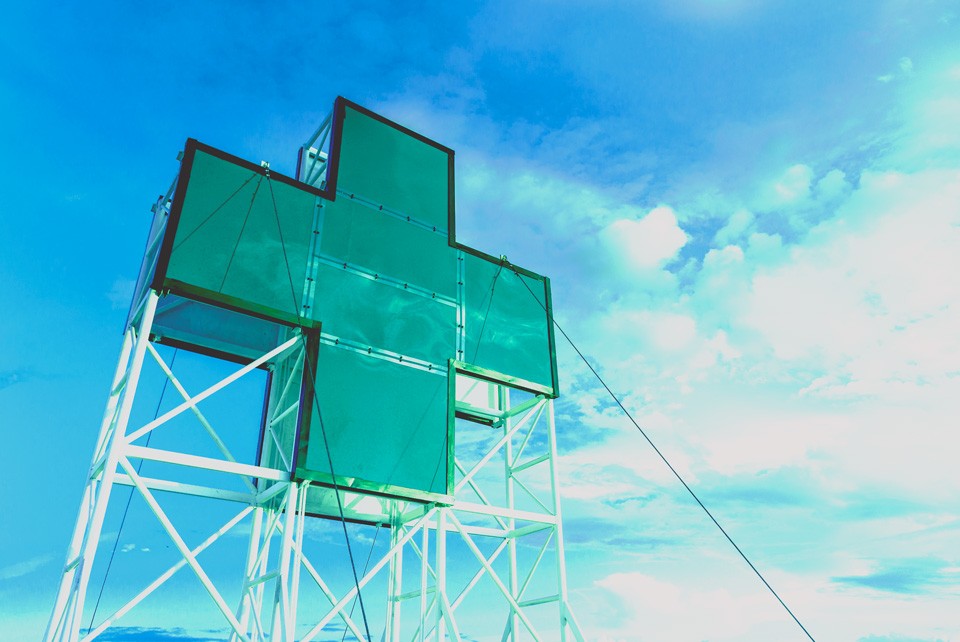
<point>645,331</point>
<point>646,243</point>
<point>790,188</point>
<point>870,293</point>
<point>832,185</point>
<point>738,223</point>
<point>655,609</point>
<point>26,567</point>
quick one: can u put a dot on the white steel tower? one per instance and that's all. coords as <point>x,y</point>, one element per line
<point>409,386</point>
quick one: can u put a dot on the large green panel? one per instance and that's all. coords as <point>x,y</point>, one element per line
<point>379,315</point>
<point>227,244</point>
<point>393,168</point>
<point>507,328</point>
<point>384,244</point>
<point>385,423</point>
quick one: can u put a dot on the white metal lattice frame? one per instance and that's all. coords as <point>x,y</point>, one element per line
<point>275,508</point>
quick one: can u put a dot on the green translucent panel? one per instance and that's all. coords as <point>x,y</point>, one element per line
<point>507,327</point>
<point>227,244</point>
<point>393,168</point>
<point>385,423</point>
<point>384,244</point>
<point>374,313</point>
<point>150,255</point>
<point>214,329</point>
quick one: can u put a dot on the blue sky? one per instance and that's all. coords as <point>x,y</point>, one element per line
<point>750,212</point>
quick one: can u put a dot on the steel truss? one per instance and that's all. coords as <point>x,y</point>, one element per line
<point>505,526</point>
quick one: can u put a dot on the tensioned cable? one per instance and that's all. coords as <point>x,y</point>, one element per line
<point>308,362</point>
<point>483,325</point>
<point>156,413</point>
<point>366,565</point>
<point>240,235</point>
<point>215,210</point>
<point>513,268</point>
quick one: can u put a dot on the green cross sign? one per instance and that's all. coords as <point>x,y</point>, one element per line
<point>360,254</point>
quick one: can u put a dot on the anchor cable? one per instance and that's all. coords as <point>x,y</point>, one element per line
<point>483,326</point>
<point>123,519</point>
<point>676,474</point>
<point>366,565</point>
<point>211,215</point>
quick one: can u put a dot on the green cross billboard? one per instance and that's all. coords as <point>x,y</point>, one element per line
<point>362,259</point>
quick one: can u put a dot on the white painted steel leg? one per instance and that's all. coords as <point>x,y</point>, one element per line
<point>65,625</point>
<point>443,605</point>
<point>73,551</point>
<point>395,577</point>
<point>424,567</point>
<point>282,621</point>
<point>246,596</point>
<point>512,619</point>
<point>566,614</point>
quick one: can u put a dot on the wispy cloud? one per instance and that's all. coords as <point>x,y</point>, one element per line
<point>13,377</point>
<point>156,634</point>
<point>908,576</point>
<point>26,567</point>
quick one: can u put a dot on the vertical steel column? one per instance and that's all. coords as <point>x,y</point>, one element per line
<point>89,489</point>
<point>250,570</point>
<point>283,620</point>
<point>424,566</point>
<point>441,595</point>
<point>271,515</point>
<point>395,576</point>
<point>566,615</point>
<point>68,610</point>
<point>513,621</point>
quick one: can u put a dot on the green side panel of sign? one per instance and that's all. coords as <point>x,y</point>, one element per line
<point>393,168</point>
<point>386,426</point>
<point>374,314</point>
<point>215,329</point>
<point>242,238</point>
<point>376,241</point>
<point>507,328</point>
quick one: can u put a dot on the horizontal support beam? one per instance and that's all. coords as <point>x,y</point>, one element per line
<point>271,492</point>
<point>263,578</point>
<point>519,468</point>
<point>521,408</point>
<point>483,531</point>
<point>500,511</point>
<point>540,600</point>
<point>529,530</point>
<point>206,463</point>
<point>413,594</point>
<point>188,489</point>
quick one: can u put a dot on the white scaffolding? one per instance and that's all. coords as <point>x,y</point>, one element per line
<point>513,539</point>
